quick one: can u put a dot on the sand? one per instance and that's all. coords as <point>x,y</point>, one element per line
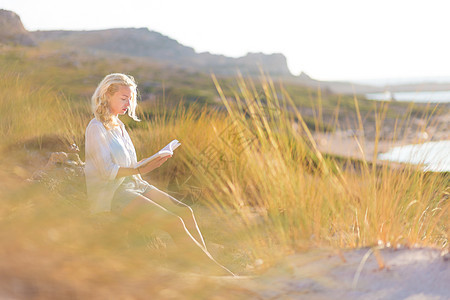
<point>350,143</point>
<point>412,274</point>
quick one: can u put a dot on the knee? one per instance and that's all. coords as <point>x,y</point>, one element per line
<point>184,211</point>
<point>170,221</point>
<point>189,209</point>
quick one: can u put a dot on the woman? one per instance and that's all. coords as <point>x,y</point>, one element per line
<point>113,183</point>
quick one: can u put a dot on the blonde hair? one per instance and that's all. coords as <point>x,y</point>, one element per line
<point>106,88</point>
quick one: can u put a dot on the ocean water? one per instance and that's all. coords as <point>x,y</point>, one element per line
<point>422,97</point>
<point>433,156</point>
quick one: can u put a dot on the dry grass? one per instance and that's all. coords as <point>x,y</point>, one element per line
<point>260,184</point>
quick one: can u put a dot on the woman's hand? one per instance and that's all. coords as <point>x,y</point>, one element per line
<point>153,164</point>
<point>122,172</point>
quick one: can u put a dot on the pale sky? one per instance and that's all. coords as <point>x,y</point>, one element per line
<point>326,39</point>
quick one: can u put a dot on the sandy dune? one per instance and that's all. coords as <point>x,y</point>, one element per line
<point>412,274</point>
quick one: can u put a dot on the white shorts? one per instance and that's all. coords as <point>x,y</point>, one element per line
<point>127,191</point>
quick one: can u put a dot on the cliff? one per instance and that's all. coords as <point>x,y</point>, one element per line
<point>12,30</point>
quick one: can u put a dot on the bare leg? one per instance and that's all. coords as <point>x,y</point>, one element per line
<point>143,206</point>
<point>180,209</point>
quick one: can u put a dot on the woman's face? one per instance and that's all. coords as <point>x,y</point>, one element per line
<point>120,100</point>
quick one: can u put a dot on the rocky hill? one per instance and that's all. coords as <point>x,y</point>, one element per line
<point>141,42</point>
<point>144,43</point>
<point>12,30</point>
<point>151,45</point>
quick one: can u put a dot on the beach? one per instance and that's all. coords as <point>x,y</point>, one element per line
<point>367,273</point>
<point>355,144</point>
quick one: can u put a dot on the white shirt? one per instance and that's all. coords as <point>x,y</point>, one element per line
<point>106,151</point>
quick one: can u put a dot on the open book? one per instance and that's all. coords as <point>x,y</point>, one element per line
<point>167,150</point>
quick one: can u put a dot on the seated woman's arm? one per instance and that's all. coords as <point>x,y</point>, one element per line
<point>142,170</point>
<point>98,154</point>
